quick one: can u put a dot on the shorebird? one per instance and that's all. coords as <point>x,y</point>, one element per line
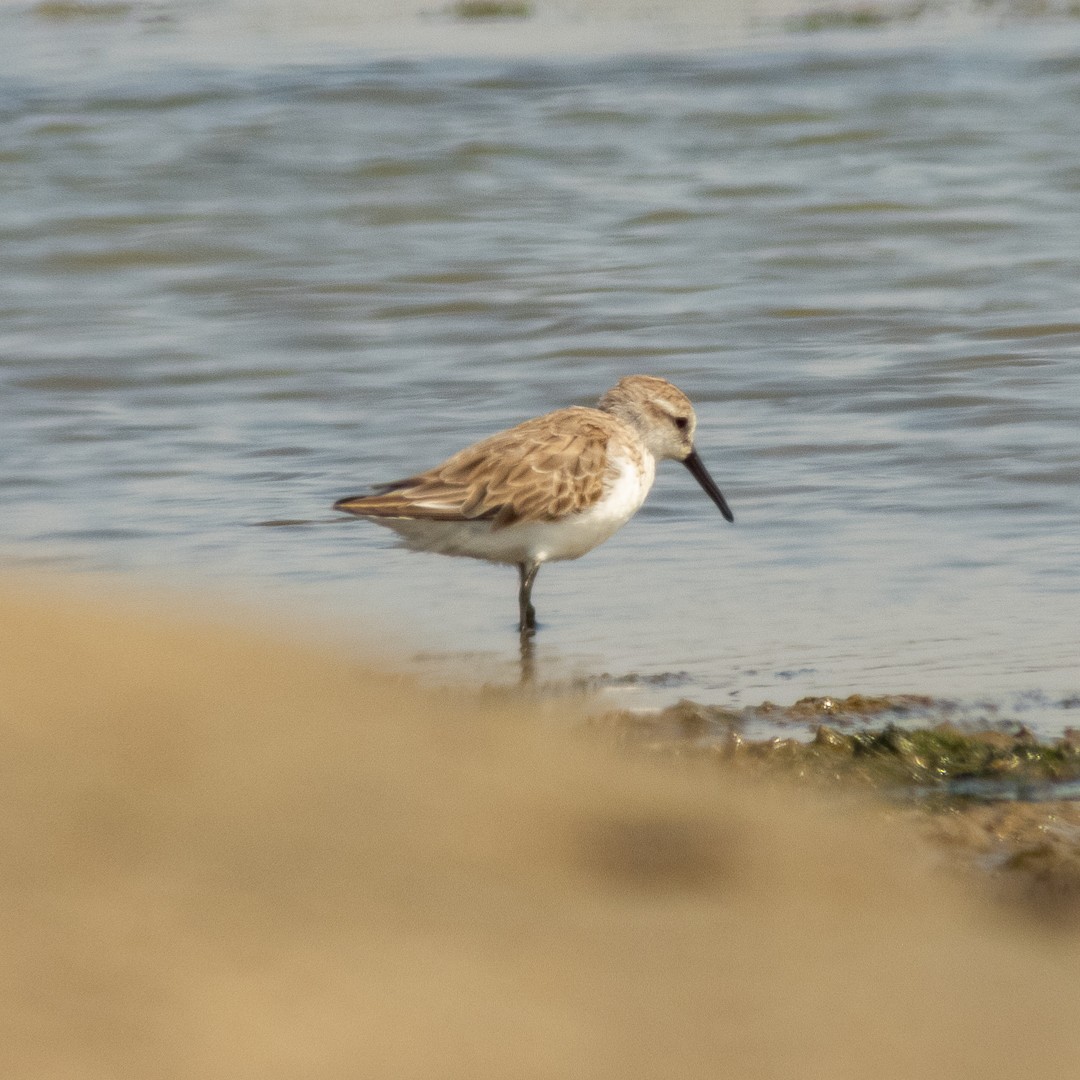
<point>551,488</point>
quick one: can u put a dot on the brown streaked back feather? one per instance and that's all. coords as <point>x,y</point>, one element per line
<point>538,471</point>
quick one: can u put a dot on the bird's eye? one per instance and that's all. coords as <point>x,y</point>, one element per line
<point>682,422</point>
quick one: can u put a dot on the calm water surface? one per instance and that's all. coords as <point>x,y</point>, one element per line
<point>231,292</point>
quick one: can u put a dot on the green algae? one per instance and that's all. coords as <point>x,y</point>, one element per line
<point>62,10</point>
<point>892,755</point>
<point>867,16</point>
<point>490,9</point>
<point>880,751</point>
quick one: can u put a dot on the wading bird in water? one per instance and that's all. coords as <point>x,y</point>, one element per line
<point>551,488</point>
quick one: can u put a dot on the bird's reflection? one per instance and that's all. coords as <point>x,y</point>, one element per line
<point>528,658</point>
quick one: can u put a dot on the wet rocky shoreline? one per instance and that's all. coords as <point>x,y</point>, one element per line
<point>992,799</point>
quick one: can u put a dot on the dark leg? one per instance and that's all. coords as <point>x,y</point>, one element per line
<point>527,613</point>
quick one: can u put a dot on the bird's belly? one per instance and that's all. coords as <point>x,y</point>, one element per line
<point>527,541</point>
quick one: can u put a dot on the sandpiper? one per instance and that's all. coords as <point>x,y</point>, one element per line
<point>551,488</point>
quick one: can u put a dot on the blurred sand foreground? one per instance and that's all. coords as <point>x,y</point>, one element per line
<point>226,857</point>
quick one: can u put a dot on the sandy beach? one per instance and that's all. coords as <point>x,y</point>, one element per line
<point>230,856</point>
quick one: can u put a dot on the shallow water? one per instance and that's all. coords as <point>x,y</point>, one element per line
<point>236,289</point>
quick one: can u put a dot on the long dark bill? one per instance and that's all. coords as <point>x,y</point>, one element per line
<point>701,475</point>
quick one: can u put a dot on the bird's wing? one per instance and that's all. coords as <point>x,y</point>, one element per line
<point>538,471</point>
